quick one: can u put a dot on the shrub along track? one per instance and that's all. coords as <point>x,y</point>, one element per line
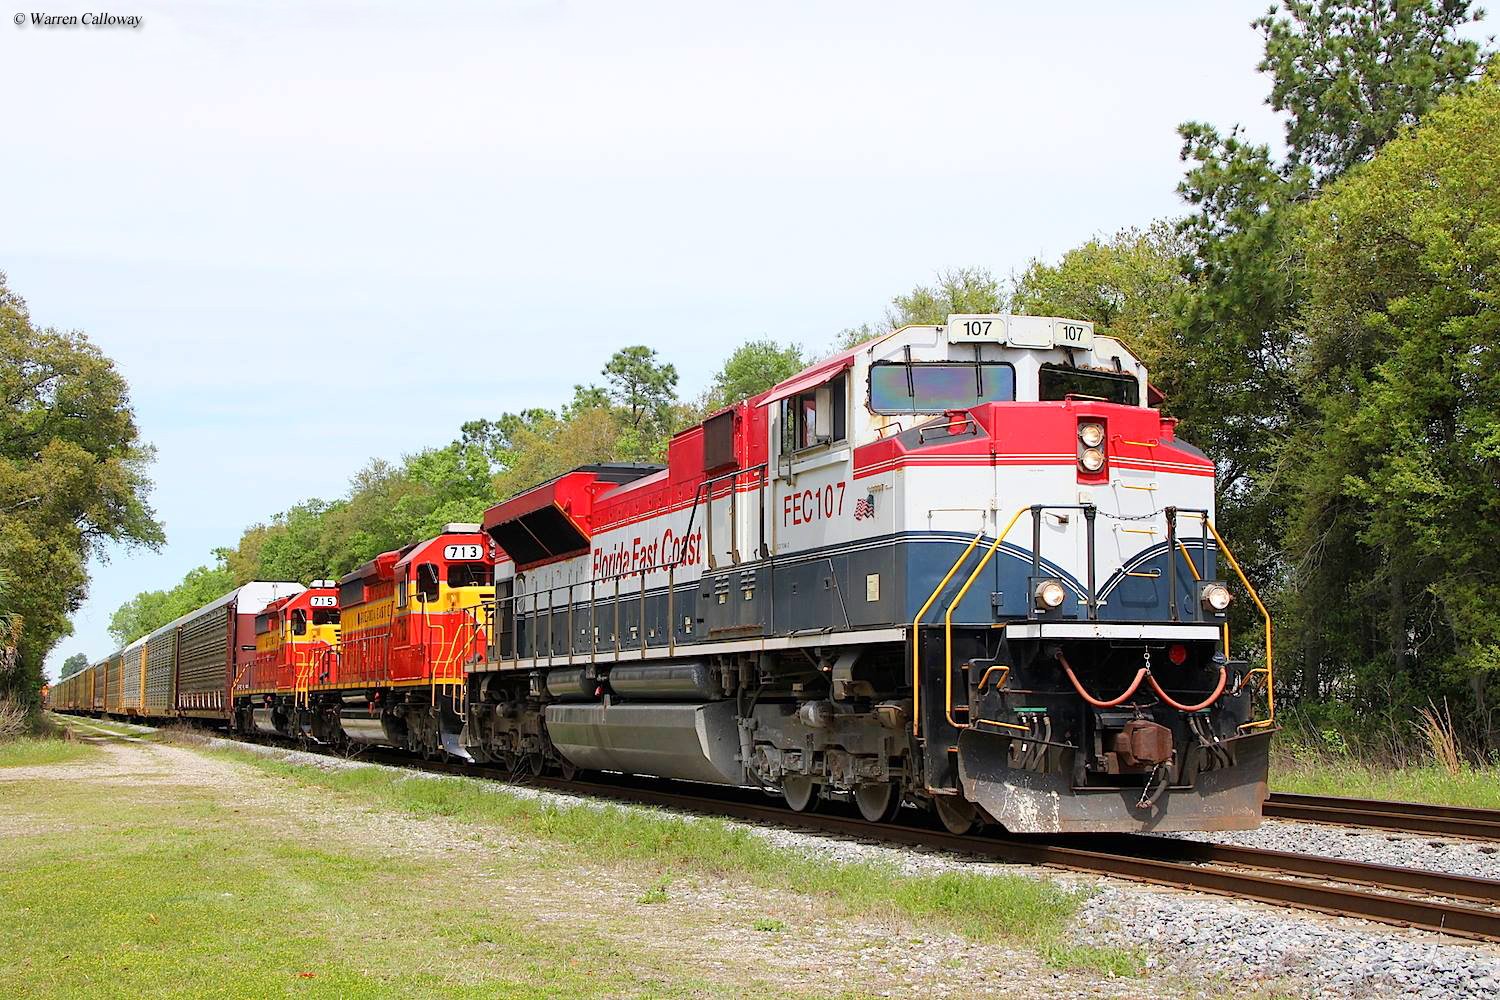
<point>1457,905</point>
<point>1376,814</point>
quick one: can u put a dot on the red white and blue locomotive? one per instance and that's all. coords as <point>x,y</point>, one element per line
<point>964,567</point>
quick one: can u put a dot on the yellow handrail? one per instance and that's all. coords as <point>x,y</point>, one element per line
<point>1270,668</point>
<point>1188,556</point>
<point>948,616</point>
<point>916,638</point>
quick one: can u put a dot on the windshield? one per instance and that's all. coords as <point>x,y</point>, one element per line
<point>1060,382</point>
<point>470,574</point>
<point>898,387</point>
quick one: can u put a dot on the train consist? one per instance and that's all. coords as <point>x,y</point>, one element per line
<point>966,567</point>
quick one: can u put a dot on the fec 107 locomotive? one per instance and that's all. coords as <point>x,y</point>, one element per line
<point>966,567</point>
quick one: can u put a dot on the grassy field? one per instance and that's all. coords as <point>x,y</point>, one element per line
<point>178,905</point>
<point>1472,786</point>
<point>185,891</point>
<point>27,751</point>
<point>980,906</point>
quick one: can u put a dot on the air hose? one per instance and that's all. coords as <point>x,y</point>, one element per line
<point>1218,690</point>
<point>1144,674</point>
<point>1140,675</point>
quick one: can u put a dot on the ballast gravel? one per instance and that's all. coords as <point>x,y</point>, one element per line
<point>1249,947</point>
<point>1476,858</point>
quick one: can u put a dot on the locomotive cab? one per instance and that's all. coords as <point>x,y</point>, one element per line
<point>294,638</point>
<point>411,621</point>
<point>1011,484</point>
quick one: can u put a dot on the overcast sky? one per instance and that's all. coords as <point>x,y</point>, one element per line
<point>314,233</point>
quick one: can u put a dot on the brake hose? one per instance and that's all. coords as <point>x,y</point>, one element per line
<point>1140,675</point>
<point>1218,690</point>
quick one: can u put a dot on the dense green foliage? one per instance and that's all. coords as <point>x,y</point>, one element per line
<point>753,368</point>
<point>71,479</point>
<point>1350,75</point>
<point>1327,335</point>
<point>1395,517</point>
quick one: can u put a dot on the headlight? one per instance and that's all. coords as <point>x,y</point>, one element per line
<point>1092,460</point>
<point>1216,596</point>
<point>1092,435</point>
<point>1050,594</point>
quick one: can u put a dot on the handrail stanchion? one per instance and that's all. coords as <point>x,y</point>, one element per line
<point>916,636</point>
<point>1270,668</point>
<point>953,605</point>
<point>1090,514</point>
<point>1171,513</point>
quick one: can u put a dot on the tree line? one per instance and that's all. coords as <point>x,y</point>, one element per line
<point>1322,322</point>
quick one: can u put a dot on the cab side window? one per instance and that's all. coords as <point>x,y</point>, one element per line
<point>427,582</point>
<point>816,417</point>
<point>299,622</point>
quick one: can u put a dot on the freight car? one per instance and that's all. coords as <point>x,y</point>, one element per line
<point>965,566</point>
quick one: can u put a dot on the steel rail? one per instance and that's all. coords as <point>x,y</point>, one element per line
<point>1419,880</point>
<point>1403,817</point>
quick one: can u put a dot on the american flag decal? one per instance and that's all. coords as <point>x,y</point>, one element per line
<point>864,508</point>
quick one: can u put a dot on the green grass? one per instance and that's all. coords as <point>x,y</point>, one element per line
<point>656,894</point>
<point>982,906</point>
<point>172,894</point>
<point>1117,962</point>
<point>26,751</point>
<point>170,890</point>
<point>1473,786</point>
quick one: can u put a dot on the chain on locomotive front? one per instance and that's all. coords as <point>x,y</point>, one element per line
<point>967,567</point>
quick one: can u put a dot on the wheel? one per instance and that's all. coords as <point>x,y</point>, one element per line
<point>958,814</point>
<point>801,792</point>
<point>878,802</point>
<point>536,764</point>
<point>567,769</point>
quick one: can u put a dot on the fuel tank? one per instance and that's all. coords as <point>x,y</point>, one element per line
<point>692,742</point>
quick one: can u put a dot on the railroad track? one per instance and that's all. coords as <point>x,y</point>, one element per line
<point>1456,905</point>
<point>1403,817</point>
